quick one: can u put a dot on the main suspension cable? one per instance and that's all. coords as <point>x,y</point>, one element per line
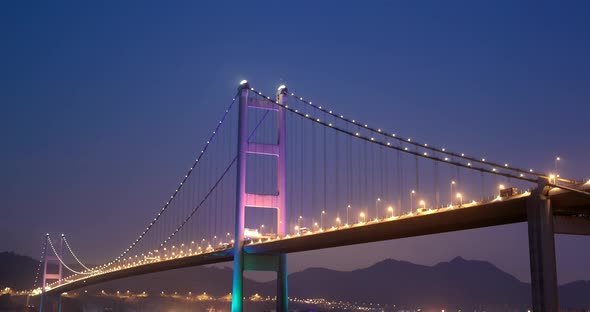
<point>74,255</point>
<point>43,254</point>
<point>447,160</point>
<point>213,187</point>
<point>61,260</point>
<point>173,196</point>
<point>522,172</point>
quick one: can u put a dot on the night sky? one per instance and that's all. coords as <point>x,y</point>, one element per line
<point>104,104</point>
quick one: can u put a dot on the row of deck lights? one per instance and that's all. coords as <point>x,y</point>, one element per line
<point>206,247</point>
<point>152,257</point>
<point>318,228</point>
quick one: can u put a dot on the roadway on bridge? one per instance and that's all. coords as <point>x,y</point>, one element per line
<point>468,216</point>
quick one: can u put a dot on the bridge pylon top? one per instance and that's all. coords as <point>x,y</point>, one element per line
<point>244,85</point>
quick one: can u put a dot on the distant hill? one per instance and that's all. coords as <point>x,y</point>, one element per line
<point>456,283</point>
<point>16,271</point>
<point>459,282</point>
<point>575,294</point>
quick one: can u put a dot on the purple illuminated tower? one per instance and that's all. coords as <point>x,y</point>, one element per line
<point>257,262</point>
<point>49,259</point>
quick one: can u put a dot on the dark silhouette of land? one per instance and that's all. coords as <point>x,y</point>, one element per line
<point>16,271</point>
<point>459,282</point>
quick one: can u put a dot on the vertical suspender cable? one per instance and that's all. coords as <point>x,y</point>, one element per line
<point>436,186</point>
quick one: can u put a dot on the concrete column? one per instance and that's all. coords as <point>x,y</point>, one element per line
<point>542,251</point>
<point>282,285</point>
<point>59,303</point>
<point>60,266</point>
<point>282,272</point>
<point>282,161</point>
<point>44,278</point>
<point>41,301</point>
<point>53,303</point>
<point>238,279</point>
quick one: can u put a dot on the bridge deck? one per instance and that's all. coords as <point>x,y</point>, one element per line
<point>469,216</point>
<point>500,212</point>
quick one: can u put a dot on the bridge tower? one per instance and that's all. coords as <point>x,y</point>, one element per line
<point>256,262</point>
<point>49,260</point>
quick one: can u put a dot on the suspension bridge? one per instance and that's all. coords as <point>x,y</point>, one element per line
<point>282,174</point>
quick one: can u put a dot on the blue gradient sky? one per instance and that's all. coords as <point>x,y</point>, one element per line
<point>104,104</point>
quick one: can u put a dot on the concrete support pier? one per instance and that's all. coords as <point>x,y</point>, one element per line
<point>542,251</point>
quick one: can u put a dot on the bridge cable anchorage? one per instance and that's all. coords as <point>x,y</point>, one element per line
<point>446,160</point>
<point>187,175</point>
<point>74,255</point>
<point>207,195</point>
<point>505,166</point>
<point>61,260</point>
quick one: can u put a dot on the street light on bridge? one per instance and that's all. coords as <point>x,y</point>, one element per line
<point>362,215</point>
<point>322,219</point>
<point>338,221</point>
<point>347,209</point>
<point>451,198</point>
<point>412,200</point>
<point>390,209</point>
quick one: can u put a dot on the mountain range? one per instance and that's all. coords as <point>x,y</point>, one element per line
<point>459,282</point>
